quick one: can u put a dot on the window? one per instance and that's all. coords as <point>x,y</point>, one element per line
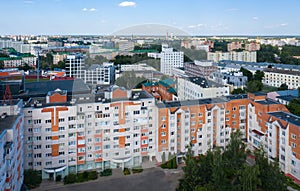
<point>163,118</point>
<point>163,134</point>
<point>48,121</point>
<point>60,120</point>
<point>163,126</point>
<point>293,145</point>
<point>61,128</point>
<point>163,141</point>
<point>294,136</point>
<point>136,112</point>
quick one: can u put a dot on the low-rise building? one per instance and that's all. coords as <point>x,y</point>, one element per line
<point>276,77</point>
<point>200,68</point>
<point>246,56</point>
<point>236,79</point>
<point>198,88</point>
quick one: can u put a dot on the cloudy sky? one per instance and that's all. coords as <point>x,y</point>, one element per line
<point>196,17</point>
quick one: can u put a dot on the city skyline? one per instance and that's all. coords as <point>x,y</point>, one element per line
<point>62,17</point>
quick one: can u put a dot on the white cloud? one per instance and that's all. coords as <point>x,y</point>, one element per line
<point>196,26</point>
<point>276,26</point>
<point>84,9</point>
<point>127,4</point>
<point>93,9</point>
<point>284,24</point>
<point>255,18</point>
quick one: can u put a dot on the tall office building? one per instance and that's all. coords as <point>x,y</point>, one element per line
<point>170,59</point>
<point>75,66</point>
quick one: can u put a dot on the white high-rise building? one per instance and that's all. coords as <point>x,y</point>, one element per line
<point>170,59</point>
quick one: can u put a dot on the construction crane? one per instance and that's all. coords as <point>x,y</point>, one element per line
<point>7,98</point>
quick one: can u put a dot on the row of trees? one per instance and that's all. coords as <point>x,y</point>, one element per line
<point>228,169</point>
<point>273,54</point>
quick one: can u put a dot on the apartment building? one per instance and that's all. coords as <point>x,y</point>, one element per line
<point>200,68</point>
<point>89,132</point>
<point>236,79</point>
<point>276,77</point>
<point>11,145</point>
<point>170,59</point>
<point>96,74</point>
<point>199,88</point>
<point>245,56</point>
<point>253,46</point>
<point>14,62</point>
<point>234,46</point>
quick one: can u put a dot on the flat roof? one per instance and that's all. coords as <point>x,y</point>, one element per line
<point>288,117</point>
<point>267,102</point>
<point>76,86</point>
<point>7,122</point>
<point>287,97</point>
<point>169,104</point>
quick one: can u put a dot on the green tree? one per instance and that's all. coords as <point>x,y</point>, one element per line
<point>270,173</point>
<point>32,178</point>
<point>129,80</point>
<point>61,65</point>
<point>283,87</point>
<point>250,178</point>
<point>247,73</point>
<point>238,91</point>
<point>254,86</point>
<point>259,75</point>
<point>294,106</point>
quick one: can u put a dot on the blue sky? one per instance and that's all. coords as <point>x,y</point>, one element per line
<point>201,17</point>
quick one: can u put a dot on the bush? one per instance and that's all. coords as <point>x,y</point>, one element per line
<point>58,178</point>
<point>106,172</point>
<point>164,165</point>
<point>137,170</point>
<point>82,177</point>
<point>70,179</point>
<point>92,175</point>
<point>126,171</point>
<point>32,178</point>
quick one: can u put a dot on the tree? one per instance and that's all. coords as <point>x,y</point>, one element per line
<point>250,178</point>
<point>259,75</point>
<point>61,65</point>
<point>238,91</point>
<point>283,87</point>
<point>254,86</point>
<point>32,178</point>
<point>270,173</point>
<point>129,80</point>
<point>247,73</point>
<point>294,106</point>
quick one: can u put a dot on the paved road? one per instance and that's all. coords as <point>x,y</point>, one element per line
<point>151,179</point>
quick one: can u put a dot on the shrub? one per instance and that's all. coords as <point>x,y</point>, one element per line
<point>164,165</point>
<point>137,170</point>
<point>81,177</point>
<point>58,178</point>
<point>106,172</point>
<point>70,179</point>
<point>92,175</point>
<point>126,171</point>
<point>32,178</point>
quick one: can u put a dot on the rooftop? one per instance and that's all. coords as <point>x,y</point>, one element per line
<point>287,97</point>
<point>290,72</point>
<point>267,102</point>
<point>288,117</point>
<point>200,101</point>
<point>76,86</point>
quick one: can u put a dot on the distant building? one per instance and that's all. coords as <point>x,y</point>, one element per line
<point>234,46</point>
<point>75,66</point>
<point>236,79</point>
<point>170,59</point>
<point>59,57</point>
<point>200,68</point>
<point>253,46</point>
<point>17,61</point>
<point>136,67</point>
<point>275,77</point>
<point>11,145</point>
<point>164,90</point>
<point>198,88</point>
<point>245,56</point>
<point>126,46</point>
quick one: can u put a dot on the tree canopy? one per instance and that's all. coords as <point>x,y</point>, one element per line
<point>228,169</point>
<point>129,80</point>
